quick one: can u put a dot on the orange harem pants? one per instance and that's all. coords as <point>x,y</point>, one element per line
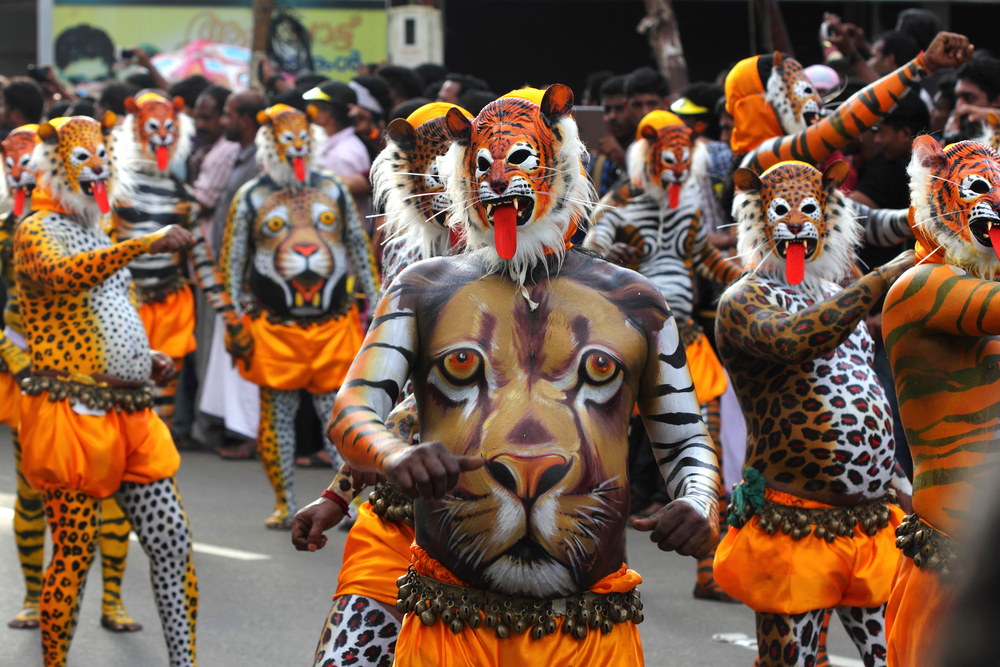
<point>314,357</point>
<point>10,400</point>
<point>778,575</point>
<point>419,645</point>
<point>93,454</point>
<point>376,554</point>
<point>169,324</point>
<point>918,604</point>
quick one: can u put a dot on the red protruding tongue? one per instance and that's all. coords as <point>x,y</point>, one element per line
<point>674,194</point>
<point>995,238</point>
<point>101,196</point>
<point>795,262</point>
<point>300,168</point>
<point>162,158</point>
<point>505,230</point>
<point>19,196</point>
<point>453,237</point>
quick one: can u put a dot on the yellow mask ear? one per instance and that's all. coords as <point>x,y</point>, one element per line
<point>993,119</point>
<point>746,180</point>
<point>312,111</point>
<point>178,104</point>
<point>835,175</point>
<point>48,134</point>
<point>109,121</point>
<point>263,118</point>
<point>131,106</point>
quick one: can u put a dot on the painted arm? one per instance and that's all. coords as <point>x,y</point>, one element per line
<point>863,110</point>
<point>603,231</point>
<point>683,449</point>
<point>884,227</point>
<point>749,323</point>
<point>42,259</point>
<point>235,242</point>
<point>359,246</point>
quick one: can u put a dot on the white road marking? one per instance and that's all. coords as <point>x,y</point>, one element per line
<point>740,639</point>
<point>7,514</point>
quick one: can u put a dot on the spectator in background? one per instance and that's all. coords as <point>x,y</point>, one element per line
<point>473,101</point>
<point>884,182</point>
<point>430,74</point>
<point>404,109</point>
<point>113,99</point>
<point>919,24</point>
<point>592,93</point>
<point>239,124</point>
<point>189,89</point>
<point>890,52</point>
<point>943,103</point>
<point>22,103</point>
<point>209,166</point>
<point>305,81</point>
<point>403,83</point>
<point>696,107</point>
<point>647,90</point>
<point>977,92</point>
<point>456,84</point>
<point>374,102</point>
<point>608,167</point>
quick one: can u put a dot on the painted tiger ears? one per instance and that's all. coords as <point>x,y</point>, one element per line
<point>557,102</point>
<point>48,134</point>
<point>746,180</point>
<point>993,120</point>
<point>131,106</point>
<point>779,60</point>
<point>108,122</point>
<point>263,118</point>
<point>929,153</point>
<point>402,133</point>
<point>649,133</point>
<point>835,175</point>
<point>178,102</point>
<point>459,127</point>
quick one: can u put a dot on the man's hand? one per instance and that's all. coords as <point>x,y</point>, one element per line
<point>428,470</point>
<point>896,267</point>
<point>361,480</point>
<point>840,34</point>
<point>610,147</point>
<point>310,522</point>
<point>163,369</point>
<point>948,50</point>
<point>621,254</point>
<point>239,344</point>
<point>174,240</point>
<point>679,527</point>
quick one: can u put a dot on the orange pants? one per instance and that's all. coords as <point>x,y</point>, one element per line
<point>315,357</point>
<point>376,554</point>
<point>419,645</point>
<point>169,324</point>
<point>778,575</point>
<point>61,449</point>
<point>10,400</point>
<point>916,608</point>
<point>706,371</point>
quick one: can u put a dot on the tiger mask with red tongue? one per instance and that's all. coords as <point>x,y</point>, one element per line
<point>792,220</point>
<point>660,160</point>
<point>515,178</point>
<point>18,179</point>
<point>285,143</point>
<point>954,205</point>
<point>155,134</point>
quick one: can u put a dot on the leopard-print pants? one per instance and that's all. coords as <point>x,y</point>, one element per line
<point>785,640</point>
<point>359,632</point>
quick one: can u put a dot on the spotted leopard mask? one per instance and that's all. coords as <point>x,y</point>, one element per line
<point>792,95</point>
<point>285,138</point>
<point>156,126</point>
<point>73,160</point>
<point>20,177</point>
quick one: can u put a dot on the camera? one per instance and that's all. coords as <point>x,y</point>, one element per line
<point>824,32</point>
<point>126,54</point>
<point>39,73</point>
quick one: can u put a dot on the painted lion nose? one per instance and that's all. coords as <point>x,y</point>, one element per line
<point>528,477</point>
<point>306,250</point>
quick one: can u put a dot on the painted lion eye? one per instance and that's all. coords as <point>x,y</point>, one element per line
<point>274,225</point>
<point>599,368</point>
<point>780,210</point>
<point>461,366</point>
<point>326,219</point>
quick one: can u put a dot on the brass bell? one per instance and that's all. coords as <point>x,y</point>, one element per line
<point>520,625</point>
<point>567,626</point>
<point>421,607</point>
<point>606,626</point>
<point>457,625</point>
<point>474,620</point>
<point>580,630</point>
<point>508,617</point>
<point>503,631</point>
<point>584,615</point>
<point>786,527</point>
<point>463,611</point>
<point>401,606</point>
<point>595,620</point>
<point>437,606</point>
<point>550,626</point>
<point>447,614</point>
<point>537,632</point>
<point>428,618</point>
<point>491,619</point>
<point>404,589</point>
<point>638,617</point>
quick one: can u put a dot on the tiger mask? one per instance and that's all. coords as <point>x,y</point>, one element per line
<point>538,394</point>
<point>792,95</point>
<point>792,219</point>
<point>660,159</point>
<point>155,131</point>
<point>515,177</point>
<point>955,200</point>
<point>19,176</point>
<point>74,165</point>
<point>407,181</point>
<point>299,256</point>
<point>284,145</point>
<point>991,131</point>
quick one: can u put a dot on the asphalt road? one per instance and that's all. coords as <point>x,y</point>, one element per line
<point>263,604</point>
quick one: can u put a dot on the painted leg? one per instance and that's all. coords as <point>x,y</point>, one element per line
<point>867,628</point>
<point>323,404</point>
<point>73,517</point>
<point>113,541</point>
<point>785,640</point>
<point>822,657</point>
<point>29,536</point>
<point>159,520</point>
<point>705,587</point>
<point>164,397</point>
<point>276,439</point>
<point>358,631</point>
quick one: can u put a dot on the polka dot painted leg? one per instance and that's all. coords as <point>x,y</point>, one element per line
<point>113,542</point>
<point>276,438</point>
<point>867,628</point>
<point>359,631</point>
<point>323,404</point>
<point>822,658</point>
<point>73,517</point>
<point>785,640</point>
<point>29,536</point>
<point>159,520</point>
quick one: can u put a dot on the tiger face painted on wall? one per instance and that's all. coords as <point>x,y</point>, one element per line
<point>516,177</point>
<point>955,199</point>
<point>300,264</point>
<point>74,164</point>
<point>407,178</point>
<point>792,95</point>
<point>155,132</point>
<point>793,220</point>
<point>284,145</point>
<point>659,161</point>
<point>19,175</point>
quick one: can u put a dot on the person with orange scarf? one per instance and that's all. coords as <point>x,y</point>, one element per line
<point>526,356</point>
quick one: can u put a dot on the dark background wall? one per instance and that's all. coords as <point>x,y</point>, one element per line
<point>513,42</point>
<point>18,27</point>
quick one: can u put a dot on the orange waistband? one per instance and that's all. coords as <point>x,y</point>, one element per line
<point>782,498</point>
<point>621,581</point>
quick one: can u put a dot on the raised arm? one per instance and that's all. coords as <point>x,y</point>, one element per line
<point>884,227</point>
